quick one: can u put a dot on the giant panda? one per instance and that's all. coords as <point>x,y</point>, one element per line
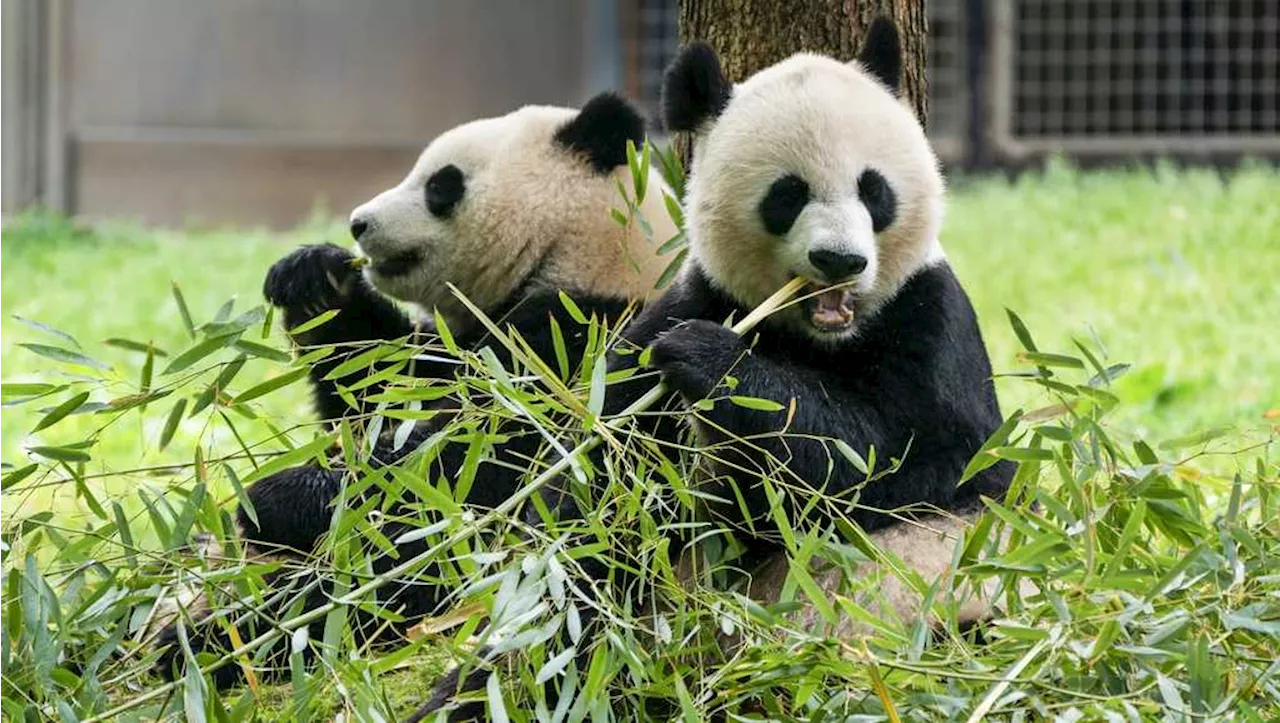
<point>513,210</point>
<point>815,168</point>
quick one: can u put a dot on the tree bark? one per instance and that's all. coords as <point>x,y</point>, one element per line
<point>750,35</point>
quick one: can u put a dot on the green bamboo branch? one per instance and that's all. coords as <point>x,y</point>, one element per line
<point>749,322</point>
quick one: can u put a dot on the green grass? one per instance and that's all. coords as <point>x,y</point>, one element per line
<point>1172,271</point>
<point>115,281</point>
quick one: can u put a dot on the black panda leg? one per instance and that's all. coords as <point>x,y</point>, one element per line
<point>452,685</point>
<point>292,508</point>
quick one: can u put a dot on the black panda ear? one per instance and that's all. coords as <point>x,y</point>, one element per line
<point>694,89</point>
<point>881,53</point>
<point>601,130</point>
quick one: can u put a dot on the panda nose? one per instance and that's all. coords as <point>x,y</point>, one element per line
<point>358,227</point>
<point>837,266</point>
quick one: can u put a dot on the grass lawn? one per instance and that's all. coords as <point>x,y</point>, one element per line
<point>1172,271</point>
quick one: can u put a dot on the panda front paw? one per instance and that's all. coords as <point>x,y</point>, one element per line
<point>695,355</point>
<point>312,280</point>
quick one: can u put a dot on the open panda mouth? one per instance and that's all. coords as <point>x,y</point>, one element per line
<point>829,308</point>
<point>397,264</point>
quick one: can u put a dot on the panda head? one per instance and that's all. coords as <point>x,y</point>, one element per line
<point>811,168</point>
<point>505,206</point>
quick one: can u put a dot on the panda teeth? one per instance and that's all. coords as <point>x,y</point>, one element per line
<point>830,309</point>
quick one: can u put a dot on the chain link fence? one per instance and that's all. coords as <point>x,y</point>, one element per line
<point>1111,77</point>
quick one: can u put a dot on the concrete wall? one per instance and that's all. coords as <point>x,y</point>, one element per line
<point>252,111</point>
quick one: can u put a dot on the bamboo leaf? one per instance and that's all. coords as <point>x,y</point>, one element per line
<point>1023,454</point>
<point>595,399</point>
<point>198,352</point>
<point>219,385</point>
<point>1195,440</point>
<point>66,453</point>
<point>64,355</point>
<point>148,371</point>
<point>497,709</point>
<point>763,405</point>
<point>633,165</point>
<point>171,423</point>
<point>130,345</point>
<point>263,351</point>
<point>48,330</point>
<point>310,324</point>
<point>1051,360</point>
<point>59,412</point>
<point>1132,527</point>
<point>20,389</point>
<point>673,243</point>
<point>572,307</point>
<point>17,476</point>
<point>674,212</point>
<point>553,667</point>
<point>125,533</point>
<point>852,455</point>
<point>1020,331</point>
<point>183,311</point>
<point>270,385</point>
<point>672,269</point>
<point>309,452</point>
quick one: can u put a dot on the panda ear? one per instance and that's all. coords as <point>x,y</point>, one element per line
<point>694,89</point>
<point>601,130</point>
<point>881,53</point>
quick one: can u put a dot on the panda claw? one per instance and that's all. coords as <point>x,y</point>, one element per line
<point>310,277</point>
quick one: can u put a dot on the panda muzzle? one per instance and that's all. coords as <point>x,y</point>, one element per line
<point>397,264</point>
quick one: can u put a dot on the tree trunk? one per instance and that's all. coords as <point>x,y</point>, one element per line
<point>750,35</point>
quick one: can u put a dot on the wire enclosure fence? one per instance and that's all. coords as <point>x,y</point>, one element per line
<point>1142,76</point>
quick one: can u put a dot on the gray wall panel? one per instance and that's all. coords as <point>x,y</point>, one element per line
<point>254,99</point>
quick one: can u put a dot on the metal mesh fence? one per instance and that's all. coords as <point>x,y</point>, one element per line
<point>657,41</point>
<point>1132,75</point>
<point>949,90</point>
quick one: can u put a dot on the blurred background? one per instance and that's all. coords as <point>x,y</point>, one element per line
<point>252,112</point>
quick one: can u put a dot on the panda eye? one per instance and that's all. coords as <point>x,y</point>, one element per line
<point>444,191</point>
<point>782,205</point>
<point>879,198</point>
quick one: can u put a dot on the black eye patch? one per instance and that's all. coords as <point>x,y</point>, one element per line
<point>782,205</point>
<point>879,198</point>
<point>444,191</point>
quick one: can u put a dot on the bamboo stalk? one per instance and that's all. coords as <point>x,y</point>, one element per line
<point>749,322</point>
